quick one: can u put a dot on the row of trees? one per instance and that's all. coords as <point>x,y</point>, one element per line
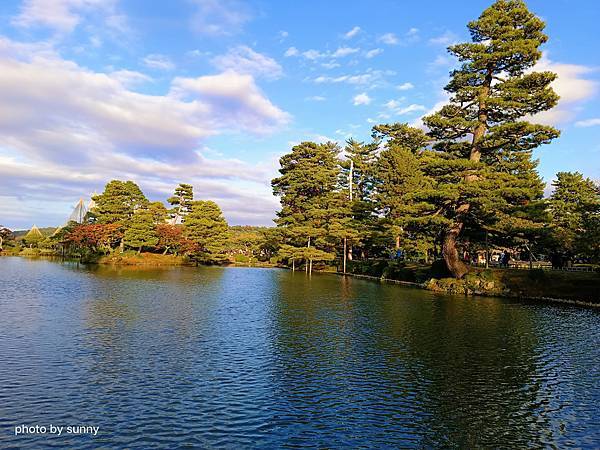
<point>467,180</point>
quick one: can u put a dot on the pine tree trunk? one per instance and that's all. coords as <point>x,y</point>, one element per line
<point>455,265</point>
<point>310,267</point>
<point>397,242</point>
<point>140,250</point>
<point>457,268</point>
<point>293,265</point>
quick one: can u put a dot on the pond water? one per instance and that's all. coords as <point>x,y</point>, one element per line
<point>245,358</point>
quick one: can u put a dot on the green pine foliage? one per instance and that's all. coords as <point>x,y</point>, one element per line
<point>208,229</point>
<point>181,201</point>
<point>315,212</point>
<point>575,214</point>
<point>141,230</point>
<point>118,202</point>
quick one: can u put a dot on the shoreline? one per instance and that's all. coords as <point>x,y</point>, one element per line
<point>415,285</point>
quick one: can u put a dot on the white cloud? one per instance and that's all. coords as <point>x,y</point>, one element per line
<point>405,86</point>
<point>68,130</point>
<point>372,53</point>
<point>344,51</point>
<point>235,98</point>
<point>389,39</point>
<point>361,99</point>
<point>313,54</point>
<point>588,123</point>
<point>130,77</point>
<point>292,51</point>
<point>65,15</point>
<point>571,85</point>
<point>321,138</point>
<point>156,61</point>
<point>283,35</point>
<point>395,107</point>
<point>412,35</point>
<point>330,65</point>
<point>243,59</point>
<point>445,39</point>
<point>316,98</point>
<point>371,77</point>
<point>410,108</point>
<point>219,17</point>
<point>353,32</point>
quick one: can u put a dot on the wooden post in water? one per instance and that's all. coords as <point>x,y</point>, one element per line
<point>348,249</point>
<point>344,268</point>
<point>306,261</point>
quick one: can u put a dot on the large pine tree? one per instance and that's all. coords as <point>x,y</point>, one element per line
<point>313,210</point>
<point>483,142</point>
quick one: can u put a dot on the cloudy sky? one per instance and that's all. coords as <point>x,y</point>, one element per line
<point>212,92</point>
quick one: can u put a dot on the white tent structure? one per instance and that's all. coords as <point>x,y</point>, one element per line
<point>78,213</point>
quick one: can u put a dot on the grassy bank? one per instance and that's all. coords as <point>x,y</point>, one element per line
<point>143,259</point>
<point>576,286</point>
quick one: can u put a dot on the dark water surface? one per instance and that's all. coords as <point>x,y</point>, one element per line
<point>239,358</point>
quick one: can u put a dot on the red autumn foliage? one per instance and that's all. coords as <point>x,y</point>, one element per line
<point>95,235</point>
<point>170,237</point>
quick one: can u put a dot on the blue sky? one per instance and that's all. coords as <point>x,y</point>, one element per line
<point>214,92</point>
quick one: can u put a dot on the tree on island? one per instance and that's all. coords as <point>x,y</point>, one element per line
<point>118,204</point>
<point>182,202</point>
<point>94,237</point>
<point>208,229</point>
<point>141,230</point>
<point>481,159</point>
